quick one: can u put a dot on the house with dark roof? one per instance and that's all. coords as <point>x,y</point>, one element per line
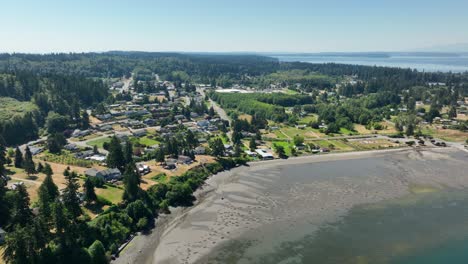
<point>2,235</point>
<point>199,150</point>
<point>139,132</point>
<point>184,159</point>
<point>107,175</point>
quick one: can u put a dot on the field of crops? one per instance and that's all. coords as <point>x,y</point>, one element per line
<point>67,159</point>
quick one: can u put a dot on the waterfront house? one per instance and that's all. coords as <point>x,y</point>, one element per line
<point>264,154</point>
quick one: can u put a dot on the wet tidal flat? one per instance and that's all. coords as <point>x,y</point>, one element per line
<point>392,207</point>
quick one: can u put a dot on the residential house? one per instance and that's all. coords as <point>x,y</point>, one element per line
<point>170,164</point>
<point>179,117</point>
<point>139,133</point>
<point>143,169</point>
<point>71,147</point>
<point>227,147</point>
<point>84,154</point>
<point>35,150</point>
<point>135,124</point>
<point>2,235</point>
<point>200,150</point>
<point>97,157</point>
<point>107,175</point>
<point>149,122</point>
<point>264,154</point>
<point>104,117</point>
<point>203,124</point>
<point>251,153</point>
<point>80,133</point>
<point>184,160</point>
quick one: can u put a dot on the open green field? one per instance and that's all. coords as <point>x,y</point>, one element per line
<point>289,91</point>
<point>66,158</point>
<point>110,193</point>
<point>148,141</point>
<point>307,119</point>
<point>307,132</point>
<point>11,107</point>
<point>333,144</point>
<point>161,177</point>
<point>451,135</point>
<point>287,146</point>
<point>98,142</point>
<point>345,131</point>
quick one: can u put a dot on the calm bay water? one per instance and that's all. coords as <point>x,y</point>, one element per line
<point>417,229</point>
<point>429,63</point>
<point>427,226</point>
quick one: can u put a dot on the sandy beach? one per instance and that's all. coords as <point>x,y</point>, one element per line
<point>271,202</point>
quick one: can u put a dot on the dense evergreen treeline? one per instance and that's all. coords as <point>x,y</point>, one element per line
<point>225,70</point>
<point>62,95</point>
<point>207,68</point>
<point>383,78</point>
<point>60,232</point>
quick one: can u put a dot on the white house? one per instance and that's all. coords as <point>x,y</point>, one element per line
<point>264,154</point>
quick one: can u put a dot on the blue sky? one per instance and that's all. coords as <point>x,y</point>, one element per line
<point>234,25</point>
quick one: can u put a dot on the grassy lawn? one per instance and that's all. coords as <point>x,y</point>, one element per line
<point>148,141</point>
<point>445,134</point>
<point>279,134</point>
<point>369,144</point>
<point>11,107</point>
<point>346,131</point>
<point>99,142</point>
<point>289,91</point>
<point>287,146</point>
<point>306,133</point>
<point>307,119</point>
<point>341,145</point>
<point>389,128</point>
<point>110,193</point>
<point>161,177</point>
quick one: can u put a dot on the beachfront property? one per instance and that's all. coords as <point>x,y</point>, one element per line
<point>264,154</point>
<point>251,153</point>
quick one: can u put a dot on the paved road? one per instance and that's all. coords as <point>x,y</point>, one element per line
<point>127,83</point>
<point>219,110</point>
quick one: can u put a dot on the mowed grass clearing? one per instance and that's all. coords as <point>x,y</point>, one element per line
<point>147,141</point>
<point>111,193</point>
<point>307,119</point>
<point>99,142</point>
<point>445,134</point>
<point>307,132</point>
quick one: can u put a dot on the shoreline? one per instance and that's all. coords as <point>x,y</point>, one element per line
<point>144,246</point>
